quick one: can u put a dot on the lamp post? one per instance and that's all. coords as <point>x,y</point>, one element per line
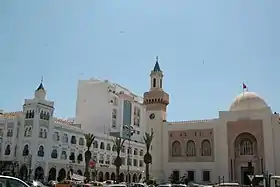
<point>129,133</point>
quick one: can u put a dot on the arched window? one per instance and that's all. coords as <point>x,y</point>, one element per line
<point>73,140</point>
<point>246,147</point>
<point>191,150</point>
<point>108,147</point>
<point>63,155</point>
<point>25,151</point>
<point>8,150</point>
<point>95,144</point>
<point>81,141</point>
<point>176,148</point>
<point>154,82</point>
<point>206,148</point>
<point>65,138</point>
<point>54,153</point>
<point>102,145</point>
<point>114,148</point>
<point>40,151</point>
<point>72,156</point>
<point>80,157</point>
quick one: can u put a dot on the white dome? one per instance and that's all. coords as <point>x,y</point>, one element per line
<point>248,101</point>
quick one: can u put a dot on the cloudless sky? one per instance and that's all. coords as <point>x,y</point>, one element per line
<point>238,40</point>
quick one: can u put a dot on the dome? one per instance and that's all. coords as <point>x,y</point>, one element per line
<point>247,101</point>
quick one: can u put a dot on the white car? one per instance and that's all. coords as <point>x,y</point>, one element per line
<point>11,182</point>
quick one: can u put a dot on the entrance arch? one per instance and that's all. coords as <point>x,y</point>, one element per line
<point>113,176</point>
<point>61,174</point>
<point>52,174</point>
<point>128,178</point>
<point>39,173</point>
<point>23,172</point>
<point>140,177</point>
<point>100,176</point>
<point>121,177</point>
<point>107,176</point>
<point>134,178</point>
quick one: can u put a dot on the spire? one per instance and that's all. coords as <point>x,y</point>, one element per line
<point>41,86</point>
<point>156,67</point>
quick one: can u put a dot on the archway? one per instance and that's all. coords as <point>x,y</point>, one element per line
<point>79,172</point>
<point>140,177</point>
<point>134,178</point>
<point>100,176</point>
<point>52,174</point>
<point>128,178</point>
<point>39,173</point>
<point>23,172</point>
<point>61,174</point>
<point>113,176</point>
<point>107,176</point>
<point>121,177</point>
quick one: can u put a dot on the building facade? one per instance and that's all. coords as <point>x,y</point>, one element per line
<point>106,107</point>
<point>213,150</point>
<point>35,144</point>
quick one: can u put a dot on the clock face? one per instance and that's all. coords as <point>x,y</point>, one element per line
<point>152,116</point>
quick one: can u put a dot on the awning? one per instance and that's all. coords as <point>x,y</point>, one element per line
<point>77,177</point>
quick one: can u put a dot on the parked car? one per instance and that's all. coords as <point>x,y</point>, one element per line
<point>12,182</point>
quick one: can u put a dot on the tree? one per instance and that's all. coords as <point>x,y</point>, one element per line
<point>148,138</point>
<point>89,142</point>
<point>118,144</point>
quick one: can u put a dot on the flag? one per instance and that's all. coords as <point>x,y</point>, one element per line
<point>244,86</point>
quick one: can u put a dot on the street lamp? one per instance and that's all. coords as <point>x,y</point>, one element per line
<point>129,132</point>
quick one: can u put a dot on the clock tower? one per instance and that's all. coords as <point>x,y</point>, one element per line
<point>156,101</point>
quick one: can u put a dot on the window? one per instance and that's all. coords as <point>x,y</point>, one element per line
<point>54,153</point>
<point>56,136</point>
<point>129,161</point>
<point>206,176</point>
<point>10,132</point>
<point>160,83</point>
<point>8,150</point>
<point>246,147</point>
<point>123,149</point>
<point>191,176</point>
<point>191,150</point>
<point>113,159</point>
<point>73,140</point>
<point>43,133</point>
<point>141,163</point>
<point>81,141</point>
<point>72,156</point>
<point>40,152</point>
<point>101,159</point>
<point>123,160</point>
<point>108,147</point>
<point>65,138</point>
<point>28,131</point>
<point>137,112</point>
<point>107,159</point>
<point>63,155</point>
<point>95,144</point>
<point>25,151</point>
<point>176,148</point>
<point>30,114</point>
<point>135,152</point>
<point>80,157</point>
<point>129,150</point>
<point>154,82</point>
<point>115,101</point>
<point>102,145</point>
<point>114,117</point>
<point>95,157</point>
<point>141,152</point>
<point>205,148</point>
<point>135,162</point>
<point>114,148</point>
<point>44,115</point>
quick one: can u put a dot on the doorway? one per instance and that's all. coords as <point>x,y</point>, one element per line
<point>245,180</point>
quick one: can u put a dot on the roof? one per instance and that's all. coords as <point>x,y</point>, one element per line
<point>41,87</point>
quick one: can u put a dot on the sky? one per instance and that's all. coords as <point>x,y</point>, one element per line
<point>206,50</point>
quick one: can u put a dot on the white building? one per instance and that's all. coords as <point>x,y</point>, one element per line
<point>108,107</point>
<point>211,149</point>
<point>36,144</point>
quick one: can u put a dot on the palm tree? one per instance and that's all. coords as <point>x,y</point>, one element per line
<point>148,138</point>
<point>89,142</point>
<point>118,144</point>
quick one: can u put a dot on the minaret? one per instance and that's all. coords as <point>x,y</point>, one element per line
<point>156,101</point>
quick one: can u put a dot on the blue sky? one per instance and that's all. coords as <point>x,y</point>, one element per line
<point>119,40</point>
